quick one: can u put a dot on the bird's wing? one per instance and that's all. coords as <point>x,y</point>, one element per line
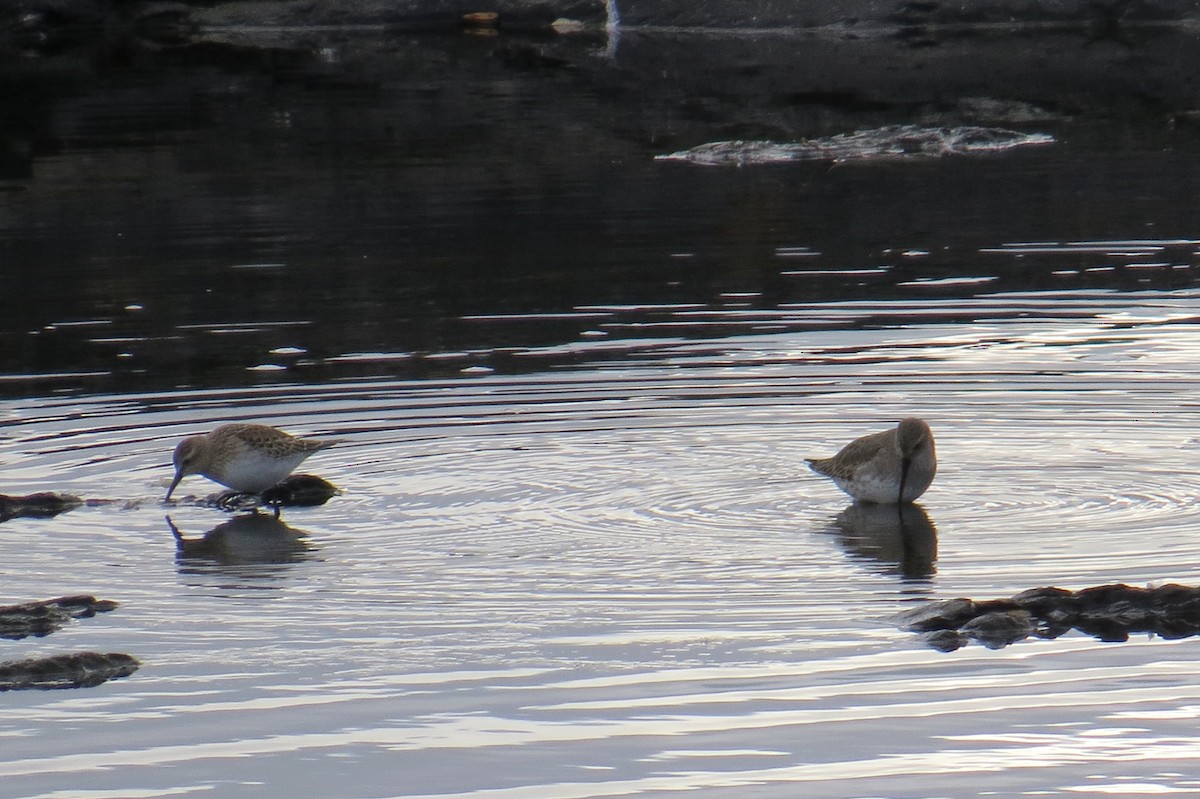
<point>853,455</point>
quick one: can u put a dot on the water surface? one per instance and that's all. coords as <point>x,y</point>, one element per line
<point>578,553</point>
<point>621,579</point>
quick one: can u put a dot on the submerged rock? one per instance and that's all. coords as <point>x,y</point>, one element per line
<point>950,614</point>
<point>294,491</point>
<point>41,505</point>
<point>946,614</point>
<point>1041,601</point>
<point>945,640</point>
<point>1107,612</point>
<point>1000,628</point>
<point>74,670</point>
<point>49,615</point>
<point>300,490</point>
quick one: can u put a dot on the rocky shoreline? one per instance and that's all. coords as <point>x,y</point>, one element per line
<point>672,76</point>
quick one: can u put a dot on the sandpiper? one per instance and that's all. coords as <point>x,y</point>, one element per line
<point>245,457</point>
<point>892,467</point>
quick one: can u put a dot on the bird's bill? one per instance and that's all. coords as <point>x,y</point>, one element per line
<point>175,482</point>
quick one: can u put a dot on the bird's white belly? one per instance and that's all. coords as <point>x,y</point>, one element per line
<point>256,472</point>
<point>872,488</point>
<point>884,489</point>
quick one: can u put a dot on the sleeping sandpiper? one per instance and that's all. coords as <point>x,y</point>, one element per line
<point>892,467</point>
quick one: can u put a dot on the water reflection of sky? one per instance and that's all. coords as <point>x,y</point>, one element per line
<point>623,579</point>
<point>577,553</point>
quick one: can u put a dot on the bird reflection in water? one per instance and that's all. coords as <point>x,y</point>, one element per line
<point>250,545</point>
<point>901,538</point>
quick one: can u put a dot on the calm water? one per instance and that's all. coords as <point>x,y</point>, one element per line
<point>578,553</point>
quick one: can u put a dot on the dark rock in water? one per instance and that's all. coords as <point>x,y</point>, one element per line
<point>41,505</point>
<point>300,490</point>
<point>947,614</point>
<point>1178,597</point>
<point>1177,609</point>
<point>1103,630</point>
<point>1097,598</point>
<point>49,615</point>
<point>1107,612</point>
<point>998,629</point>
<point>294,491</point>
<point>996,606</point>
<point>1040,601</point>
<point>76,670</point>
<point>945,640</point>
<point>37,620</point>
<point>950,614</point>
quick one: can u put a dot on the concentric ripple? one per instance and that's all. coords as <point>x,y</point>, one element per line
<point>623,579</point>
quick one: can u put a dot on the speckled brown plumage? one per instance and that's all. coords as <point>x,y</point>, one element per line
<point>893,466</point>
<point>244,457</point>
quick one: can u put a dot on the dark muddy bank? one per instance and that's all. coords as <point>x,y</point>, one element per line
<point>154,16</point>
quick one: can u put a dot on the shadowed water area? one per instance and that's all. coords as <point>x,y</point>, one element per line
<point>578,552</point>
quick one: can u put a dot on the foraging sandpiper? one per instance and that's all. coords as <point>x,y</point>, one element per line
<point>245,457</point>
<point>892,467</point>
